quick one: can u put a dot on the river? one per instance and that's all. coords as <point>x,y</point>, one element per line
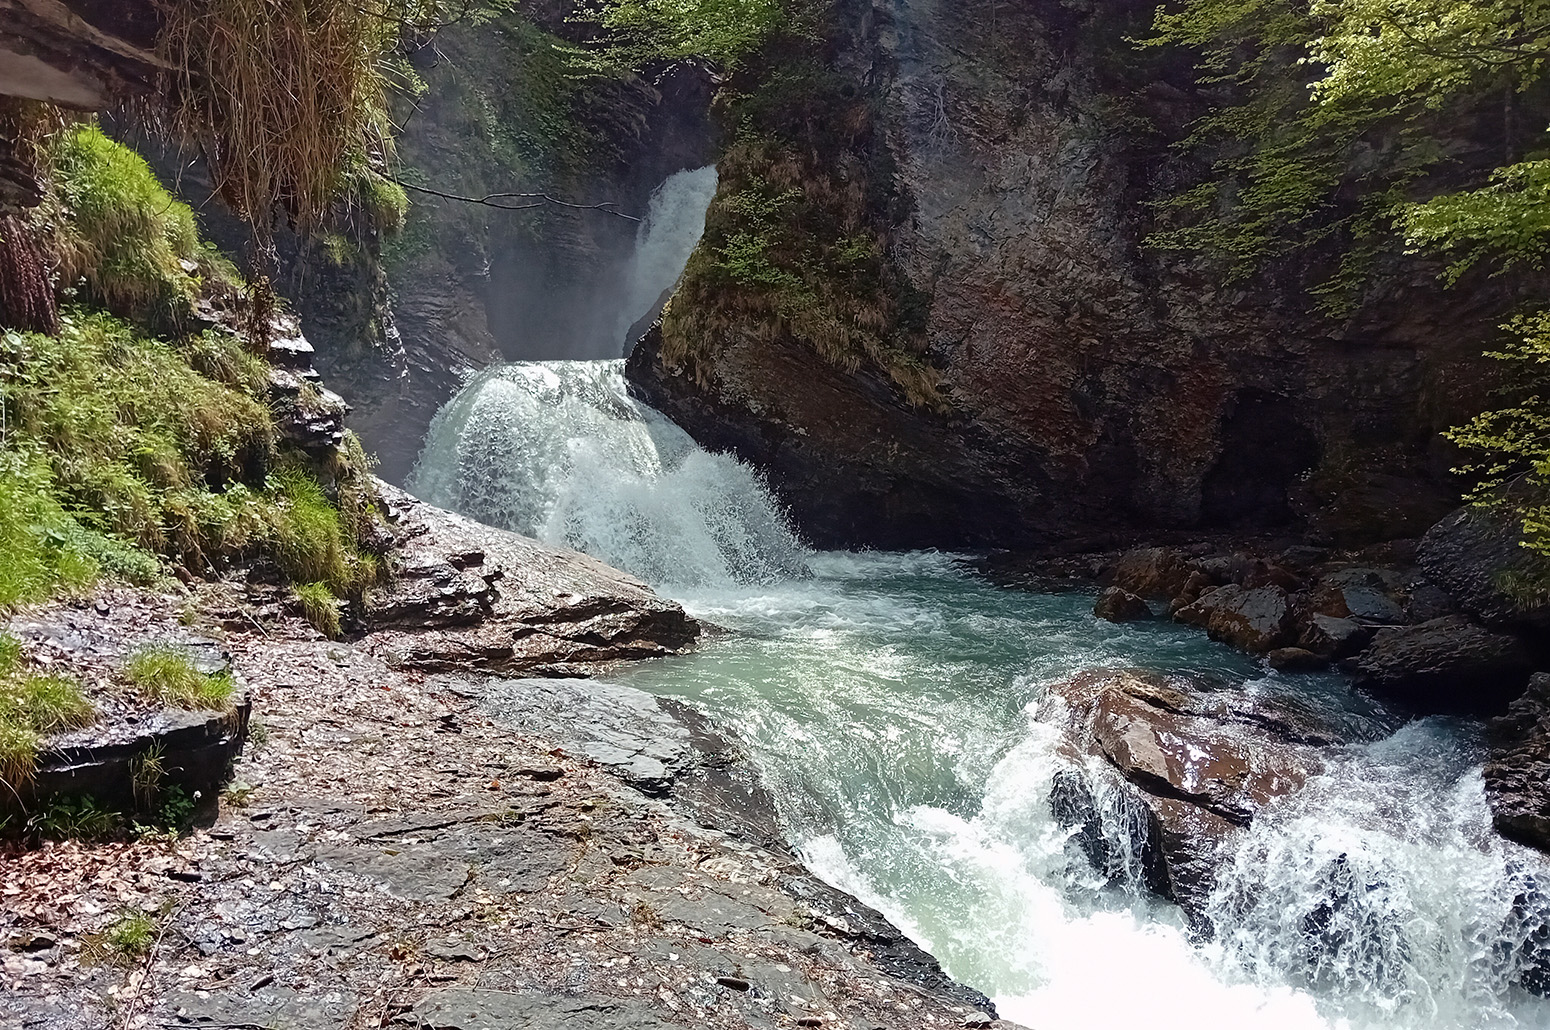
<point>891,701</point>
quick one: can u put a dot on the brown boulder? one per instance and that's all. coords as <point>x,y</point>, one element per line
<point>1159,572</point>
<point>1295,659</point>
<point>1117,605</point>
<point>1254,620</point>
<point>1191,766</point>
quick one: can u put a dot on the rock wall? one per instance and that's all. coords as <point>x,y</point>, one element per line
<point>1091,385</point>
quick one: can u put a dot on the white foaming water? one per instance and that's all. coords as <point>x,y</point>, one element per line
<point>675,221</point>
<point>560,451</point>
<point>892,703</point>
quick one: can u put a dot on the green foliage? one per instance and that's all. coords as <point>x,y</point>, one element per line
<point>319,607</point>
<point>136,443</point>
<point>723,32</point>
<point>1507,219</point>
<point>165,674</point>
<point>82,818</point>
<point>130,936</point>
<point>147,770</point>
<point>32,706</point>
<point>1513,473</point>
<point>124,236</point>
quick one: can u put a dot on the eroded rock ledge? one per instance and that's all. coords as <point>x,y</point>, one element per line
<point>466,596</point>
<point>456,852</point>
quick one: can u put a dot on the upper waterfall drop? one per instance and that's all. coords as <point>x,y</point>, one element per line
<point>675,221</point>
<point>560,451</point>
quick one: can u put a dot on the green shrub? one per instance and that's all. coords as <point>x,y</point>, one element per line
<point>165,674</point>
<point>125,237</point>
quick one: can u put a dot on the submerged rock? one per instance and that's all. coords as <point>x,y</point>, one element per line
<point>467,596</point>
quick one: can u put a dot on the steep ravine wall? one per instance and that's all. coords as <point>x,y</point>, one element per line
<point>1092,386</point>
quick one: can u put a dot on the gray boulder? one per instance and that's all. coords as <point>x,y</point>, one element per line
<point>1477,557</point>
<point>1446,665</point>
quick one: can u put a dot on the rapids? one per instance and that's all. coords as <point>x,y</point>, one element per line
<point>891,702</point>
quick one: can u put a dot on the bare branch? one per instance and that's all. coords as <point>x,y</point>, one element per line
<point>493,200</point>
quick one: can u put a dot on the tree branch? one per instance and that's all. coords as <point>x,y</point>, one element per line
<point>492,200</point>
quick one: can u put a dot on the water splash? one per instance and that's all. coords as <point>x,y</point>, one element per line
<point>560,451</point>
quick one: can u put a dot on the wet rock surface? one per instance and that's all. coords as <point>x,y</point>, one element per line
<point>1517,773</point>
<point>1117,605</point>
<point>1182,769</point>
<point>1255,620</point>
<point>402,849</point>
<point>1475,557</point>
<point>1447,664</point>
<point>465,596</point>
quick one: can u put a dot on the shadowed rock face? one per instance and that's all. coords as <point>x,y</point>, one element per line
<point>1517,776</point>
<point>1095,385</point>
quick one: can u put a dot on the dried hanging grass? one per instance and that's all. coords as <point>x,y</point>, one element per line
<point>284,96</point>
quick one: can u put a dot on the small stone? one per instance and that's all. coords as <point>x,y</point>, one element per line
<point>261,982</point>
<point>737,984</point>
<point>455,951</point>
<point>977,1019</point>
<point>543,773</point>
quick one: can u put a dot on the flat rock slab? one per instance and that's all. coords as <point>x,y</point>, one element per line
<point>271,1006</point>
<point>468,596</point>
<point>465,1009</point>
<point>619,727</point>
<point>415,873</point>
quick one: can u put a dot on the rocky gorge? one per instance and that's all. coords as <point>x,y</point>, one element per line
<point>1223,636</point>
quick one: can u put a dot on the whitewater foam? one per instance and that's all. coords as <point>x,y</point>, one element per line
<point>559,450</point>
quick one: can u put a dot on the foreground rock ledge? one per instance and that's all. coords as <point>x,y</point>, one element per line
<point>468,596</point>
<point>445,850</point>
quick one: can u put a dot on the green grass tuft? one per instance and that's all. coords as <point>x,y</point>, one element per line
<point>320,607</point>
<point>131,936</point>
<point>32,706</point>
<point>166,675</point>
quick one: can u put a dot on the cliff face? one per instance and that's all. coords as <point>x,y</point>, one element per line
<point>1091,385</point>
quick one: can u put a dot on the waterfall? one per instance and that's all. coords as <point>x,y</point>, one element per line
<point>560,451</point>
<point>675,221</point>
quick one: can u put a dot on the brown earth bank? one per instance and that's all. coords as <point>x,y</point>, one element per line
<point>400,846</point>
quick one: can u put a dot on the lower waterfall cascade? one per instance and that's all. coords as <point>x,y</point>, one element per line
<point>892,702</point>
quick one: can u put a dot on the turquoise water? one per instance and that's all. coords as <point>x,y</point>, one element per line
<point>891,702</point>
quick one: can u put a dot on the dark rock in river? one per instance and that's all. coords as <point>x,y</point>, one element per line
<point>1295,659</point>
<point>467,596</point>
<point>1475,556</point>
<point>1160,572</point>
<point>1446,665</point>
<point>1333,637</point>
<point>1517,774</point>
<point>1116,605</point>
<point>1255,620</point>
